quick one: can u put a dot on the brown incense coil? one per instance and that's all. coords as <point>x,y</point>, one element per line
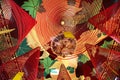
<point>49,22</point>
<point>103,60</point>
<point>58,17</point>
<point>13,66</point>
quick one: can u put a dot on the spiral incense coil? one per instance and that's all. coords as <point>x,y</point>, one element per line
<point>59,17</point>
<point>49,22</point>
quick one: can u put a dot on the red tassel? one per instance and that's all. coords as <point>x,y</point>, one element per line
<point>23,20</point>
<point>105,61</point>
<point>22,63</point>
<point>108,21</point>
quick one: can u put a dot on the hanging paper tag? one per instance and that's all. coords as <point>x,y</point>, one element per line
<point>68,35</point>
<point>54,72</point>
<point>18,76</point>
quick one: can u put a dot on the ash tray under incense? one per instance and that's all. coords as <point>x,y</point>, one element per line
<point>63,46</point>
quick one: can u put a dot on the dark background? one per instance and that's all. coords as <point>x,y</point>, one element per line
<point>20,2</point>
<point>105,2</point>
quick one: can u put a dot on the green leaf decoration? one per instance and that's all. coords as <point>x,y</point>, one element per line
<point>68,68</point>
<point>104,33</point>
<point>82,58</point>
<point>90,26</point>
<point>23,48</point>
<point>32,6</point>
<point>100,34</point>
<point>71,69</point>
<point>47,71</point>
<point>47,62</point>
<point>107,44</point>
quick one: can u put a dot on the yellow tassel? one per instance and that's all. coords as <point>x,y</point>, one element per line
<point>6,31</point>
<point>68,35</point>
<point>18,76</point>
